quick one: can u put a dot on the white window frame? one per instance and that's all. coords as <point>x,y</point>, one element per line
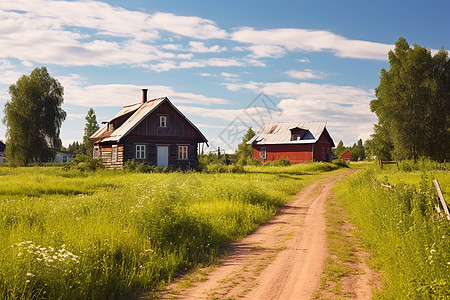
<point>96,152</point>
<point>162,121</point>
<point>263,153</point>
<point>64,159</point>
<point>114,153</point>
<point>141,151</point>
<point>183,152</point>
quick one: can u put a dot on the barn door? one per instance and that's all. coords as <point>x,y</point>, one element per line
<point>162,156</point>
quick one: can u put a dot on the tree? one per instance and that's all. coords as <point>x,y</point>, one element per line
<point>244,152</point>
<point>380,144</point>
<point>33,118</point>
<point>413,102</point>
<point>90,128</point>
<point>340,149</point>
<point>77,148</point>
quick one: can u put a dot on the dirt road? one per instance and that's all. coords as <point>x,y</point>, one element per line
<point>281,260</point>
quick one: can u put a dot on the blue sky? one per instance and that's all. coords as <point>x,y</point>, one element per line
<point>226,65</point>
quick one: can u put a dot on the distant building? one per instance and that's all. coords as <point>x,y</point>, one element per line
<point>2,152</point>
<point>154,132</point>
<point>346,156</point>
<point>64,156</point>
<point>297,141</point>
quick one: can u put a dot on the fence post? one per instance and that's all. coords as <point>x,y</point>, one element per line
<point>441,197</point>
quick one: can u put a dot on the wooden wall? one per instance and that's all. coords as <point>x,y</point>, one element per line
<point>151,155</point>
<point>177,126</point>
<point>106,156</point>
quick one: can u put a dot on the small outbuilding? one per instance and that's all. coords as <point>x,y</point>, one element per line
<point>153,131</point>
<point>297,141</point>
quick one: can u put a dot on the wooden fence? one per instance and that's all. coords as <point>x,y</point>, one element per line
<point>444,204</point>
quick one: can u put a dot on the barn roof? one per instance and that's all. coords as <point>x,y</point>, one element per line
<point>139,112</point>
<point>280,133</point>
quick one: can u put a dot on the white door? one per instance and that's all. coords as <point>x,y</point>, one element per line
<point>162,156</point>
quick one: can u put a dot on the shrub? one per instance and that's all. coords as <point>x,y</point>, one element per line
<point>141,167</point>
<point>86,163</point>
<point>279,163</point>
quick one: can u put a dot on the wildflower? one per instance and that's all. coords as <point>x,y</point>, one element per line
<point>29,274</point>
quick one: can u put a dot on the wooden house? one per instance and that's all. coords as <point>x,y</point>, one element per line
<point>154,132</point>
<point>298,142</point>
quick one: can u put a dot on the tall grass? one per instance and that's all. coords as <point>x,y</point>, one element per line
<point>409,240</point>
<point>65,234</point>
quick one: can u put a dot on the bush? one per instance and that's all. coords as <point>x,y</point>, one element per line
<point>86,163</point>
<point>141,167</point>
<point>279,163</point>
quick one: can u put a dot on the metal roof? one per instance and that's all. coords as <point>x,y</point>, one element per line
<point>141,111</point>
<point>280,133</point>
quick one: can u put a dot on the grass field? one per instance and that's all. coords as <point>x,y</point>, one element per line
<point>65,234</point>
<point>408,240</point>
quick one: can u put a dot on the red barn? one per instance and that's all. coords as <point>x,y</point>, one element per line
<point>346,156</point>
<point>298,142</point>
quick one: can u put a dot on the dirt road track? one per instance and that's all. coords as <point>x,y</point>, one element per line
<point>281,260</point>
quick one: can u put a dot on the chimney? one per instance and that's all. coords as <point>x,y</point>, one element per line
<point>144,95</point>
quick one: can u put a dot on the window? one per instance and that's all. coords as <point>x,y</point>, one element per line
<point>182,152</point>
<point>96,151</point>
<point>296,137</point>
<point>114,153</point>
<point>263,153</point>
<point>140,151</point>
<point>64,158</point>
<point>162,121</point>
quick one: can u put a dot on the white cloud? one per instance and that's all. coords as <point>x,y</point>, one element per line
<point>303,60</point>
<point>294,39</point>
<point>76,92</point>
<point>272,51</point>
<point>91,33</point>
<point>201,48</point>
<point>201,63</point>
<point>305,74</point>
<point>225,74</point>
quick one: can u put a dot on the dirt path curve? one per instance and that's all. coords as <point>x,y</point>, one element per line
<point>282,259</point>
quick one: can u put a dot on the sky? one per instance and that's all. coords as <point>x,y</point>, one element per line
<point>227,65</point>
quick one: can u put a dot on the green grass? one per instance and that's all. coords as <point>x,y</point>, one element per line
<point>65,234</point>
<point>409,241</point>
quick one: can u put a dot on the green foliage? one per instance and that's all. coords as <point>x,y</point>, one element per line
<point>142,167</point>
<point>340,149</point>
<point>77,148</point>
<point>90,128</point>
<point>33,118</point>
<point>244,152</point>
<point>408,240</point>
<point>86,163</point>
<point>413,103</point>
<point>281,162</point>
<point>113,235</point>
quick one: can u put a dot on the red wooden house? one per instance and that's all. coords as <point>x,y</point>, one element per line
<point>153,131</point>
<point>298,142</point>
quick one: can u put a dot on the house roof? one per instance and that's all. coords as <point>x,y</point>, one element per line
<point>280,133</point>
<point>139,112</point>
<point>2,146</point>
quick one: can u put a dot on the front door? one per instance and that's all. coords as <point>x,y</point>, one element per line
<point>162,156</point>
